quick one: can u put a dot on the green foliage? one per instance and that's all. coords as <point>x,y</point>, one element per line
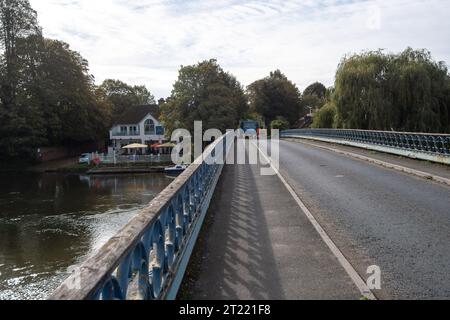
<point>316,89</point>
<point>17,20</point>
<point>405,92</point>
<point>275,96</point>
<point>48,96</point>
<point>312,101</point>
<point>21,124</point>
<point>204,92</point>
<point>280,124</point>
<point>315,97</point>
<point>122,95</point>
<point>325,117</point>
<point>58,82</point>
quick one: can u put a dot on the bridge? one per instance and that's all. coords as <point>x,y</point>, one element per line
<point>341,206</point>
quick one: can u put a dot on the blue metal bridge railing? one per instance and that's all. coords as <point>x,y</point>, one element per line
<point>435,146</point>
<point>147,259</point>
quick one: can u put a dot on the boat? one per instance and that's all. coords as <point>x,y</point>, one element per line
<point>176,170</point>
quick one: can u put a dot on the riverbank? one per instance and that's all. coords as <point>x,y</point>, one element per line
<point>71,165</point>
<point>67,165</point>
<point>126,170</point>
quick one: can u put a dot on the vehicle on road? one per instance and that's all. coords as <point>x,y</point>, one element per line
<point>85,158</point>
<point>250,128</point>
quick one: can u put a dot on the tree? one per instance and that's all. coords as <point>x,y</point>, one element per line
<point>420,92</point>
<point>362,92</point>
<point>314,97</point>
<point>275,96</point>
<point>316,89</point>
<point>56,102</point>
<point>47,95</point>
<point>325,117</point>
<point>405,92</point>
<point>21,125</point>
<point>143,95</point>
<point>207,93</point>
<point>57,80</point>
<point>123,96</point>
<point>17,20</point>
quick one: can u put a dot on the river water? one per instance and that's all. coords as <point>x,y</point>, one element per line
<point>52,222</point>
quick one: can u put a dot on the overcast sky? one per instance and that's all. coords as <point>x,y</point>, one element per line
<point>146,41</point>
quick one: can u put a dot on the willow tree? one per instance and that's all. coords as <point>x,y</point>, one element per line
<point>406,92</point>
<point>362,92</point>
<point>420,90</point>
<point>325,117</point>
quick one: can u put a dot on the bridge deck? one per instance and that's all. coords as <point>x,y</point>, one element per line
<point>260,245</point>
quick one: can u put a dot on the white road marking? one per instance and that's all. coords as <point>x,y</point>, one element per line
<point>356,278</point>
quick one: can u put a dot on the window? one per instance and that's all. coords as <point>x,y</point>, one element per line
<point>123,130</point>
<point>133,130</point>
<point>149,126</point>
<point>159,131</point>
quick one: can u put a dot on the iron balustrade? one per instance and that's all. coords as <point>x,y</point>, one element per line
<point>135,158</point>
<point>147,258</point>
<point>435,144</point>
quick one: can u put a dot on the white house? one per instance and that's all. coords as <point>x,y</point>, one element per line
<point>139,124</point>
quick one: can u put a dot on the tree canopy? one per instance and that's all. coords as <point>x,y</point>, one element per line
<point>279,124</point>
<point>325,117</point>
<point>122,95</point>
<point>204,92</point>
<point>315,89</point>
<point>47,95</point>
<point>17,20</point>
<point>275,96</point>
<point>404,92</point>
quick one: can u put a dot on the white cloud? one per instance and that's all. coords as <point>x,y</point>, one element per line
<point>146,41</point>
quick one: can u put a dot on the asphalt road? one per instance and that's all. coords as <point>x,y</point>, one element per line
<point>377,216</point>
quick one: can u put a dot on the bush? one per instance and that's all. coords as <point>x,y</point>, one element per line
<point>325,117</point>
<point>280,124</point>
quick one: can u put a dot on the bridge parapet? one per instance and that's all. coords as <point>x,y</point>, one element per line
<point>424,146</point>
<point>148,257</point>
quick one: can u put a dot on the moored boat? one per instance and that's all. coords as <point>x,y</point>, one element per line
<point>176,170</point>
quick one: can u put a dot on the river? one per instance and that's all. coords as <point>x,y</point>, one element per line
<point>52,222</point>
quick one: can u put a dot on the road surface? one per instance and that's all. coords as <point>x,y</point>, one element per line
<point>377,216</point>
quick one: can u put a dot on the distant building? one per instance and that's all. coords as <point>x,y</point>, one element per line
<point>139,124</point>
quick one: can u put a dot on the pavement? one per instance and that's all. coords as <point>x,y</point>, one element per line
<point>260,245</point>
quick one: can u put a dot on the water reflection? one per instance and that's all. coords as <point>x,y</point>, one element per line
<point>49,222</point>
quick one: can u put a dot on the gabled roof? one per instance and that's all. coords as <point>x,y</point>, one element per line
<point>137,113</point>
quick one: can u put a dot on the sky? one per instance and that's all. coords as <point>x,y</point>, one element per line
<point>146,41</point>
